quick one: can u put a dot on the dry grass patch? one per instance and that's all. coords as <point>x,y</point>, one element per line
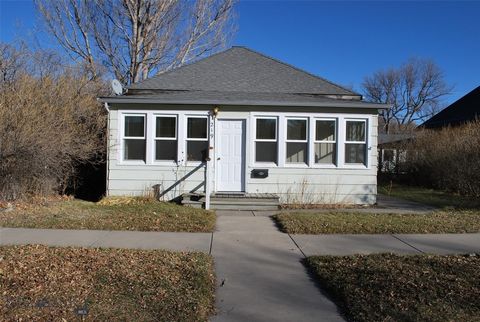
<point>40,283</point>
<point>141,214</point>
<point>367,223</point>
<point>386,287</point>
<point>436,198</point>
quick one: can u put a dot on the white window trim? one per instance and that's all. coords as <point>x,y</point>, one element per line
<point>187,139</point>
<point>123,138</point>
<point>255,140</point>
<point>307,141</point>
<point>366,142</point>
<point>314,140</point>
<point>150,136</point>
<point>281,117</point>
<point>155,138</point>
<point>340,139</point>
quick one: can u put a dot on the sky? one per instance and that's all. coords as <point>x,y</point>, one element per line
<point>343,41</point>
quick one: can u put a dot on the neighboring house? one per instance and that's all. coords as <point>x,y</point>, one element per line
<point>391,151</point>
<point>239,122</point>
<point>465,110</point>
<point>392,147</point>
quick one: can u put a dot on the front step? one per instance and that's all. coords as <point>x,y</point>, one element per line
<point>234,201</point>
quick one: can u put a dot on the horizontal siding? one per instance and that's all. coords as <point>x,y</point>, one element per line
<point>149,172</point>
<point>113,144</point>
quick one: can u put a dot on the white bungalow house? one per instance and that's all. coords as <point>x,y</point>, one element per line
<point>242,125</point>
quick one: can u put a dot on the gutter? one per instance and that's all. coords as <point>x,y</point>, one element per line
<point>135,100</point>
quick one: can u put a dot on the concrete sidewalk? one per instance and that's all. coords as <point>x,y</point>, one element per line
<point>243,223</point>
<point>261,277</point>
<point>343,244</point>
<point>102,238</point>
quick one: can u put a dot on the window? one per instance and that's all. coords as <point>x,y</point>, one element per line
<point>297,141</point>
<point>325,142</point>
<point>266,140</point>
<point>388,155</point>
<point>134,137</point>
<point>166,138</point>
<point>356,142</point>
<point>197,138</point>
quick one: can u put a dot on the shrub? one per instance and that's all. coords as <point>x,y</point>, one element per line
<point>447,159</point>
<point>48,125</point>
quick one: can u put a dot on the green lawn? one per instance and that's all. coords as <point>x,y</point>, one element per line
<point>430,197</point>
<point>111,214</point>
<point>49,284</point>
<point>387,287</point>
<point>371,223</point>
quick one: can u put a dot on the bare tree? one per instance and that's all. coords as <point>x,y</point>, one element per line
<point>12,62</point>
<point>134,39</point>
<point>414,90</point>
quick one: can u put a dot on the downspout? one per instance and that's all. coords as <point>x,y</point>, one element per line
<point>105,105</point>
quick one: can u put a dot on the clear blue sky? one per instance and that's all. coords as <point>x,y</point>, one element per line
<point>339,40</point>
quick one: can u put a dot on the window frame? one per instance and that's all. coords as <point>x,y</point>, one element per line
<point>307,141</point>
<point>255,140</point>
<point>365,142</point>
<point>123,137</point>
<point>335,163</point>
<point>155,139</point>
<point>187,139</point>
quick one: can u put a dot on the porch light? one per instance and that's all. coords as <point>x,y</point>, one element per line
<point>215,111</point>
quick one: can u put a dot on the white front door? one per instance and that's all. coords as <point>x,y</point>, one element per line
<point>230,146</point>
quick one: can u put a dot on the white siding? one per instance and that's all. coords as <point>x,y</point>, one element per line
<point>293,184</point>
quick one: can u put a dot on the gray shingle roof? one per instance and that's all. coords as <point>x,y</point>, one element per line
<point>394,138</point>
<point>239,69</point>
<point>241,77</point>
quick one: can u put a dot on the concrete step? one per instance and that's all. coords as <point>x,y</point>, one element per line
<point>244,207</point>
<point>233,202</point>
<point>242,201</point>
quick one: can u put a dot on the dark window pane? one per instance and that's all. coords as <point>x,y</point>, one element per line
<point>266,129</point>
<point>388,155</point>
<point>325,153</point>
<point>166,150</point>
<point>266,152</point>
<point>355,153</point>
<point>197,150</point>
<point>325,131</point>
<point>355,131</point>
<point>296,130</point>
<point>297,152</point>
<point>134,150</point>
<point>134,126</point>
<point>197,128</point>
<point>166,127</point>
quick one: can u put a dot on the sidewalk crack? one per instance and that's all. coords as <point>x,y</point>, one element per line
<point>211,245</point>
<point>293,240</point>
<point>96,240</point>
<point>408,244</point>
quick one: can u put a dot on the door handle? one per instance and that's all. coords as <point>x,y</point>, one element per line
<point>218,159</point>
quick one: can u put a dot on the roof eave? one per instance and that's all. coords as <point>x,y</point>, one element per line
<point>136,100</point>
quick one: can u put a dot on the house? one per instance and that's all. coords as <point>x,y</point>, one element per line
<point>244,125</point>
<point>466,109</point>
<point>391,151</point>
